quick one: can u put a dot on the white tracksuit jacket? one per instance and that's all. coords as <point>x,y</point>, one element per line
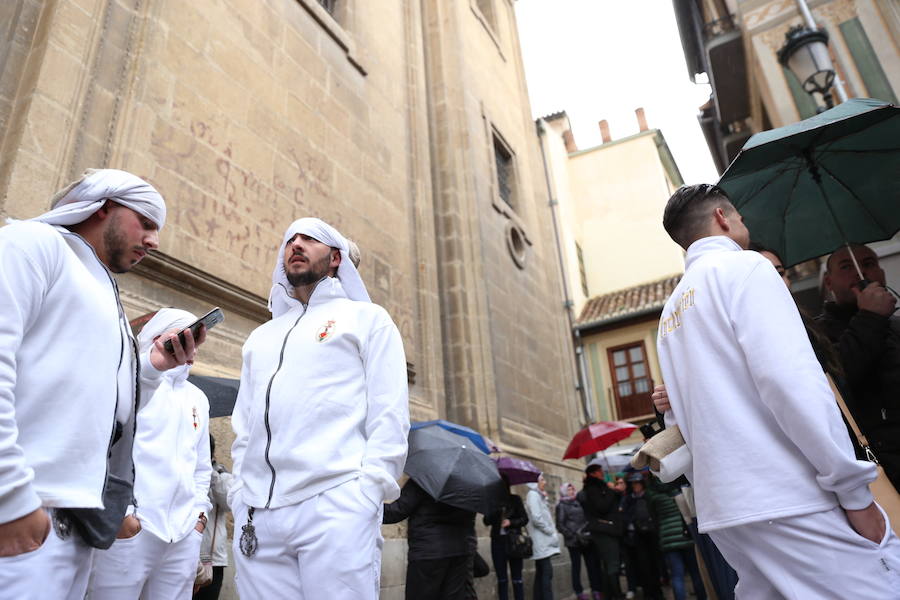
<point>59,316</point>
<point>750,397</point>
<point>323,399</point>
<point>171,456</point>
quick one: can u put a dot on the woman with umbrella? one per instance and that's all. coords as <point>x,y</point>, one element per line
<point>543,534</point>
<point>510,516</point>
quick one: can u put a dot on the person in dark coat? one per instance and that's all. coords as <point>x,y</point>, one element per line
<point>440,539</point>
<point>641,537</point>
<point>510,515</point>
<point>675,540</point>
<point>572,524</point>
<point>866,336</point>
<point>601,507</point>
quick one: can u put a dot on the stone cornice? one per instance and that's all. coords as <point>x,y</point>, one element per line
<point>181,276</point>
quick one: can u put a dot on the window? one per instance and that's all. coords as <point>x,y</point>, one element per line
<point>486,7</point>
<point>506,175</point>
<point>631,380</point>
<point>328,5</point>
<point>584,286</point>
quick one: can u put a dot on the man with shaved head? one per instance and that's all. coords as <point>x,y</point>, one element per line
<point>860,323</point>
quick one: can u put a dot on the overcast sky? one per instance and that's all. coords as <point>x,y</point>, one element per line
<point>601,59</point>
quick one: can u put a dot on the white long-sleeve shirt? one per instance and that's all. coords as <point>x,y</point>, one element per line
<point>66,363</point>
<point>751,399</point>
<point>323,399</point>
<point>172,466</point>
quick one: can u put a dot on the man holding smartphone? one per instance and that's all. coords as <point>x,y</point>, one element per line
<point>171,486</point>
<point>69,374</point>
<point>321,421</point>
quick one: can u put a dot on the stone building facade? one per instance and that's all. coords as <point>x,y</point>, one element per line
<point>404,124</point>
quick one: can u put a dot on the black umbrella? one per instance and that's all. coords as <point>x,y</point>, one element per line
<point>452,470</point>
<point>221,392</point>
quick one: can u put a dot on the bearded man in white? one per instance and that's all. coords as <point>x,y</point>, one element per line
<point>69,378</point>
<point>171,485</point>
<point>776,482</point>
<point>321,422</point>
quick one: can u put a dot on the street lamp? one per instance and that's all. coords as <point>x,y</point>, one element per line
<point>805,53</point>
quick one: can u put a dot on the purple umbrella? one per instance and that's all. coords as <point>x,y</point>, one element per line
<point>517,470</point>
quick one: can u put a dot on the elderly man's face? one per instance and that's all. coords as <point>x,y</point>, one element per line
<point>841,276</point>
<point>307,260</point>
<point>127,238</point>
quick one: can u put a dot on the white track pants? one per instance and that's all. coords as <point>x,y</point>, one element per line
<point>816,556</point>
<point>146,567</point>
<point>59,569</point>
<point>328,546</point>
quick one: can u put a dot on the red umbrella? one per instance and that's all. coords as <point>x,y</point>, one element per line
<point>598,436</point>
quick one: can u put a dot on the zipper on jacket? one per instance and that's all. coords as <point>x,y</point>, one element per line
<point>123,320</point>
<point>266,414</point>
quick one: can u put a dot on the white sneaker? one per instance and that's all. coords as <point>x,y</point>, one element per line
<point>629,595</point>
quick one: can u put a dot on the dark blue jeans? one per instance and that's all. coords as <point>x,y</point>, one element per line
<point>679,561</point>
<point>501,560</point>
<point>543,579</point>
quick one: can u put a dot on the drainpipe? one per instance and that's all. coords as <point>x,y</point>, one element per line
<point>581,383</point>
<point>803,7</point>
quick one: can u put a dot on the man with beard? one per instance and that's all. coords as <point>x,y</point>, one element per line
<point>69,375</point>
<point>866,337</point>
<point>320,421</point>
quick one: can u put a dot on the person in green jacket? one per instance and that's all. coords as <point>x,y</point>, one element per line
<point>674,539</point>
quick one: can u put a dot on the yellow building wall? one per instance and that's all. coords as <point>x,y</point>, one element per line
<point>621,189</point>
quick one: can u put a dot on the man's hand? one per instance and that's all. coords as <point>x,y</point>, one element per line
<point>875,299</point>
<point>130,528</point>
<point>504,523</point>
<point>200,526</point>
<point>868,522</point>
<point>163,360</point>
<point>660,398</point>
<point>25,534</point>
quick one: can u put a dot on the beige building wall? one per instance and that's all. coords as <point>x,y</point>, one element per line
<point>623,189</point>
<point>381,119</point>
<point>864,39</point>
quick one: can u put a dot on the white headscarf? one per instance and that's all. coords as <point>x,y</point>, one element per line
<point>280,300</point>
<point>164,320</point>
<point>79,200</point>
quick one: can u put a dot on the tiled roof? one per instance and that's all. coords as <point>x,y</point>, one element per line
<point>621,304</point>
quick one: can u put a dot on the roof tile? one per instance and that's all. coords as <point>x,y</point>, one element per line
<point>633,300</point>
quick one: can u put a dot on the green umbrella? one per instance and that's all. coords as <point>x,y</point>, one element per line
<point>808,188</point>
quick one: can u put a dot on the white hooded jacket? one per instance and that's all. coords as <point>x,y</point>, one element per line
<point>541,528</point>
<point>751,399</point>
<point>59,315</point>
<point>172,464</point>
<point>323,399</point>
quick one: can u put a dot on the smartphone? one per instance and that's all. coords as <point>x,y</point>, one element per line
<point>210,319</point>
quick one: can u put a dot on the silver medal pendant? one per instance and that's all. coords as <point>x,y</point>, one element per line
<point>249,542</point>
<point>61,525</point>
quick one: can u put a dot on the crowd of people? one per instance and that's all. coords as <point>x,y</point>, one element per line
<point>321,423</point>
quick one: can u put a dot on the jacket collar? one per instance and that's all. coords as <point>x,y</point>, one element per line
<point>709,245</point>
<point>841,312</point>
<point>329,288</point>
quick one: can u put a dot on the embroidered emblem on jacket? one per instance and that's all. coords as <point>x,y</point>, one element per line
<point>325,331</point>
